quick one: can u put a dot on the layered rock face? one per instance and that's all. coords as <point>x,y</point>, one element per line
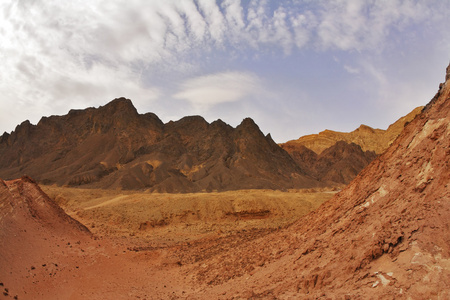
<point>22,201</point>
<point>115,147</point>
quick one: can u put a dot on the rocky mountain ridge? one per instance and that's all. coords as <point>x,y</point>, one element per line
<point>338,164</point>
<point>115,147</point>
<point>370,139</point>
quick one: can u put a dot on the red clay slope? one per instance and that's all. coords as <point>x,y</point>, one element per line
<point>32,229</point>
<point>44,254</point>
<point>386,236</point>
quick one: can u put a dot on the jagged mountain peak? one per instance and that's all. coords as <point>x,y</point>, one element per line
<point>248,126</point>
<point>113,146</point>
<point>220,124</point>
<point>248,122</point>
<point>366,128</point>
<point>122,105</point>
<point>189,123</point>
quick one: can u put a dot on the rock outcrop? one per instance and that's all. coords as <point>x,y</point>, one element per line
<point>23,205</point>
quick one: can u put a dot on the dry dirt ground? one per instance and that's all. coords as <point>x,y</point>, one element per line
<point>160,219</point>
<point>143,245</point>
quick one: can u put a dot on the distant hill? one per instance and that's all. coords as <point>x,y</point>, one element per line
<point>335,158</point>
<point>369,139</point>
<point>114,146</point>
<point>338,164</point>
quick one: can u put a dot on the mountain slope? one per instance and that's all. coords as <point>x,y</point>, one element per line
<point>115,147</point>
<point>369,139</point>
<point>338,164</point>
<point>385,236</point>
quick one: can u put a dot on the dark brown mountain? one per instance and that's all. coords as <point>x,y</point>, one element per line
<point>385,236</point>
<point>115,147</point>
<point>338,164</point>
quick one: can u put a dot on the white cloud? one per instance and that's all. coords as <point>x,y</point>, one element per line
<point>302,25</point>
<point>57,54</point>
<point>206,91</point>
<point>351,70</point>
<point>149,32</point>
<point>366,25</point>
<point>215,21</point>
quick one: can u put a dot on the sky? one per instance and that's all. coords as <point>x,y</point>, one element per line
<point>296,67</point>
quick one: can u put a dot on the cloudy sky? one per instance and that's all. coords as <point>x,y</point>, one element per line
<point>296,67</point>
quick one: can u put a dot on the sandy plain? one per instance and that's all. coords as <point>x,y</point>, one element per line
<point>157,220</point>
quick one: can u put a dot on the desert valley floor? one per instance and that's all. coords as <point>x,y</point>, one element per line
<point>148,245</point>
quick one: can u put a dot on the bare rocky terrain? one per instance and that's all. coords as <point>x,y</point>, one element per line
<point>163,219</point>
<point>384,236</point>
